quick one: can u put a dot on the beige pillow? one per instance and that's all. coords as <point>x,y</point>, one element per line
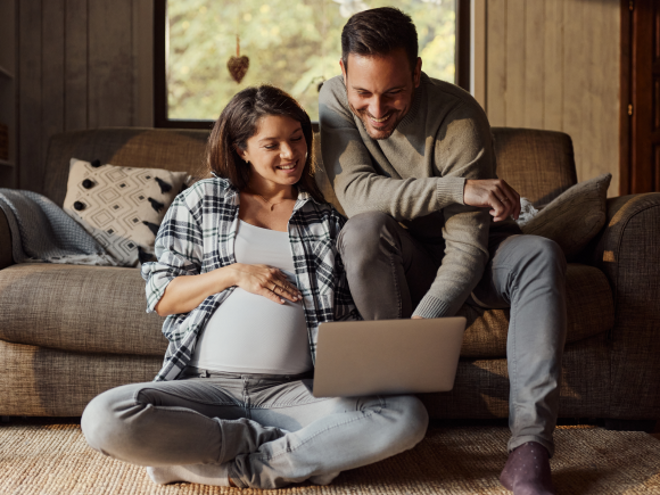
<point>573,218</point>
<point>121,207</point>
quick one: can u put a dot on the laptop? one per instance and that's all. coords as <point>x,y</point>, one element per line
<point>387,356</point>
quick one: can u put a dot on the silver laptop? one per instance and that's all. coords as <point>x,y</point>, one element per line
<point>387,356</point>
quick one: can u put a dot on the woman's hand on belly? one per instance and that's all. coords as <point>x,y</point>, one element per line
<point>266,281</point>
<point>185,293</point>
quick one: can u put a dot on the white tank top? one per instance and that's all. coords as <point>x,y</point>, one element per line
<point>249,333</point>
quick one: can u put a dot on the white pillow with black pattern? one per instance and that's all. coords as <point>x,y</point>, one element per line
<point>122,207</point>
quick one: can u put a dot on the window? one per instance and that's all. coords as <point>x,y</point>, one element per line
<point>293,44</point>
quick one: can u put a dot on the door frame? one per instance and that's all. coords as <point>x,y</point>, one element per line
<point>638,172</point>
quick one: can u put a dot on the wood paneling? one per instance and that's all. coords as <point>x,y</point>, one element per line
<point>143,54</point>
<point>111,63</point>
<point>534,63</point>
<point>553,82</point>
<point>554,64</point>
<point>515,61</point>
<point>83,64</point>
<point>75,70</point>
<point>478,51</point>
<point>30,157</point>
<point>52,67</point>
<point>496,62</point>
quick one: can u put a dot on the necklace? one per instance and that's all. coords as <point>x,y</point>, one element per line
<point>271,206</point>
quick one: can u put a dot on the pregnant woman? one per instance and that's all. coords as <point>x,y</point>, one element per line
<point>247,270</point>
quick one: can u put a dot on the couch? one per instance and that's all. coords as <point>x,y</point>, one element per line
<point>70,332</point>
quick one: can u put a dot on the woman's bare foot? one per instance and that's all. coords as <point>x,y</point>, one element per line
<point>527,471</point>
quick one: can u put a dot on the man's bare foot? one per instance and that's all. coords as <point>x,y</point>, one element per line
<point>527,471</point>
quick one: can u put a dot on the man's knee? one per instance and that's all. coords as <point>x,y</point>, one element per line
<point>363,234</point>
<point>543,255</point>
<point>550,254</point>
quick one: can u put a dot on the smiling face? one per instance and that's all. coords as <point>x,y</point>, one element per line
<point>380,89</point>
<point>276,154</point>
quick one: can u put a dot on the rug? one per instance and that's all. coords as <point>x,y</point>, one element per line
<point>54,460</point>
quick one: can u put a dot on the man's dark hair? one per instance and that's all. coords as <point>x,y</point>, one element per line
<point>379,32</point>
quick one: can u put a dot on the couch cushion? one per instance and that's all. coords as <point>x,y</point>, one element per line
<point>78,308</point>
<point>37,381</point>
<point>106,314</point>
<point>590,312</point>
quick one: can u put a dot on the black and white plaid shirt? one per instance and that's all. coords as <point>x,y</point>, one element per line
<point>197,236</point>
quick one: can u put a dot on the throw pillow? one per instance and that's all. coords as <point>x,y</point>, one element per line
<point>121,207</point>
<point>573,218</point>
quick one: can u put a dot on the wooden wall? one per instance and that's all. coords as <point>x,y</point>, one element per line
<point>554,64</point>
<point>82,64</point>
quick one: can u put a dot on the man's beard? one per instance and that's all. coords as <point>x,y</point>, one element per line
<point>380,134</point>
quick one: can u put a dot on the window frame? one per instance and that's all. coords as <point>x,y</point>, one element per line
<point>161,119</point>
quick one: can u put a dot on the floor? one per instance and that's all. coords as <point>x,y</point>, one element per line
<point>25,420</point>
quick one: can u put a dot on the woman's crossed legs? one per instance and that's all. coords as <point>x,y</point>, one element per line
<point>261,431</point>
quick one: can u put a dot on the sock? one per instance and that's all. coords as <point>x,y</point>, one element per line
<point>527,471</point>
<point>203,474</point>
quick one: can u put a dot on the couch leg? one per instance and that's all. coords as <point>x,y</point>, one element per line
<point>647,425</point>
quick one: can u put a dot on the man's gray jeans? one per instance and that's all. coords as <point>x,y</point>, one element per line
<point>270,429</point>
<point>525,273</point>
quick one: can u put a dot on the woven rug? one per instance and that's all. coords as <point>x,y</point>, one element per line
<point>54,459</point>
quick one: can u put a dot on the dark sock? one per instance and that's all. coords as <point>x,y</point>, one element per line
<point>527,471</point>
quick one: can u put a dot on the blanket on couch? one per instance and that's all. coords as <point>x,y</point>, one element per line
<point>42,232</point>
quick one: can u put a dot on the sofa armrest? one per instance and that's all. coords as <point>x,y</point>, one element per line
<point>5,242</point>
<point>627,250</point>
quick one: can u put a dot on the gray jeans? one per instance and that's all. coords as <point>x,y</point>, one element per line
<point>270,429</point>
<point>525,273</point>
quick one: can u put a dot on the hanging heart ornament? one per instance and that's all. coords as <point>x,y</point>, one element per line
<point>238,65</point>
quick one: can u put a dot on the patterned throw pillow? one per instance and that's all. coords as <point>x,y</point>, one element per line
<point>574,217</point>
<point>121,207</point>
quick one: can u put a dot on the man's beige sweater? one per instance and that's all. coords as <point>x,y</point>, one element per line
<point>417,176</point>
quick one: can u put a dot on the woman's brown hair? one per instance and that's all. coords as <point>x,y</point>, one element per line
<point>238,122</point>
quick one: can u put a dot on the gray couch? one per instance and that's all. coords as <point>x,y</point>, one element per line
<point>69,332</point>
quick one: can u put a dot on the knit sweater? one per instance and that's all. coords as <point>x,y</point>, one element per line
<point>417,176</point>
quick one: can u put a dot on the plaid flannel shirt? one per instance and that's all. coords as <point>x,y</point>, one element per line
<point>197,236</point>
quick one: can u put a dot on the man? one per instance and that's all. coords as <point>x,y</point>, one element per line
<point>402,148</point>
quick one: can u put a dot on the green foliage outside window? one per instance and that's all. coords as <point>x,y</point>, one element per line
<point>293,44</point>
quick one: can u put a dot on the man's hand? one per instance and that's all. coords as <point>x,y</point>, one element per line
<point>495,194</point>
